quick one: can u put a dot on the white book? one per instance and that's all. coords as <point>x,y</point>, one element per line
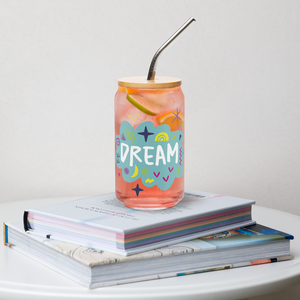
<point>104,222</point>
<point>92,268</point>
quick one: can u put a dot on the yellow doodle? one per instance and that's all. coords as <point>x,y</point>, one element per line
<point>130,135</point>
<point>149,180</point>
<point>162,136</point>
<point>136,171</point>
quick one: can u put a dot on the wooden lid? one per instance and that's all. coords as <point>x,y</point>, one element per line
<point>141,82</point>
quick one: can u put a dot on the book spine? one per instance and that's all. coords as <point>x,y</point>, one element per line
<point>25,221</point>
<point>5,236</point>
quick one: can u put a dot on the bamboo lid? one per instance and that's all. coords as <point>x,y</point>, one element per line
<point>141,82</point>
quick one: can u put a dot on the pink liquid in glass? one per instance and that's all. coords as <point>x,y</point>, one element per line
<point>155,178</point>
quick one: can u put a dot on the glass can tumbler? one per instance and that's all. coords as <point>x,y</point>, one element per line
<point>149,142</point>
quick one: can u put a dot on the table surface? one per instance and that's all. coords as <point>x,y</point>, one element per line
<point>23,278</point>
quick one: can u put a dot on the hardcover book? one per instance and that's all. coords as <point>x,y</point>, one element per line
<point>105,223</point>
<point>92,268</point>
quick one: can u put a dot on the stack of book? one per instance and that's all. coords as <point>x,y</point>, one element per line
<point>99,242</point>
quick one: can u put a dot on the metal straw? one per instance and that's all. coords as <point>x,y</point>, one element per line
<point>152,69</point>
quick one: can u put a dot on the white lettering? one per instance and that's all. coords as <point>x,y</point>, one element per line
<point>171,152</point>
<point>147,156</point>
<point>134,150</point>
<point>160,155</point>
<point>124,155</point>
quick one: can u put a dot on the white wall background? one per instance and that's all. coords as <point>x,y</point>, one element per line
<point>240,66</point>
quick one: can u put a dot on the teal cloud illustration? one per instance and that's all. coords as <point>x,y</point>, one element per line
<point>154,154</point>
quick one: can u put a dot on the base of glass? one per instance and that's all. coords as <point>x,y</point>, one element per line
<point>149,203</point>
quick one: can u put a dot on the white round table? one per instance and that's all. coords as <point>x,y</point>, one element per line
<point>23,278</point>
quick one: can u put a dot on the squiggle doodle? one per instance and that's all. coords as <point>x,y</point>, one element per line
<point>130,135</point>
<point>163,136</point>
<point>118,141</point>
<point>180,156</point>
<point>149,180</point>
